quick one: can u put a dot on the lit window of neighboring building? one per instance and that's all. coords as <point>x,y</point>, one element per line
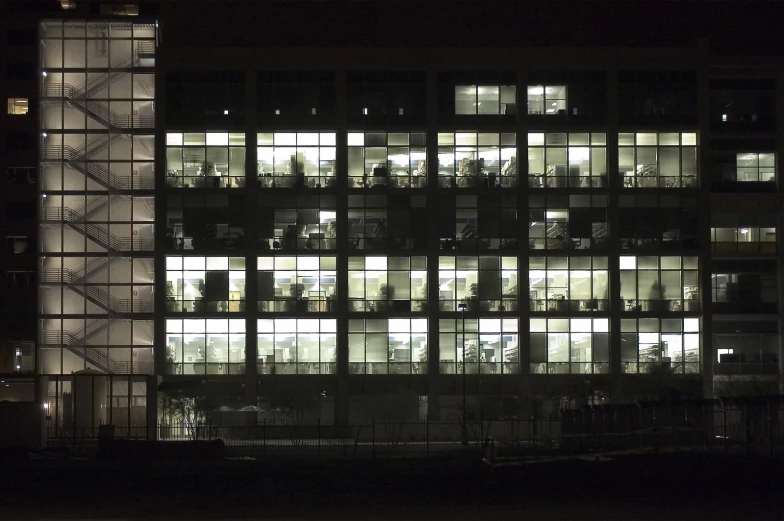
<point>660,284</point>
<point>568,284</point>
<point>296,159</point>
<point>483,283</point>
<point>753,167</point>
<point>17,106</point>
<point>297,284</point>
<point>205,284</point>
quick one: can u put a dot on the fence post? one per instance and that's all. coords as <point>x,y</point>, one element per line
<point>427,438</point>
<point>264,438</point>
<point>724,432</point>
<point>373,435</point>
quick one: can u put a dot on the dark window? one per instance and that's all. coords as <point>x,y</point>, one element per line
<point>20,141</point>
<point>744,286</point>
<point>650,222</point>
<point>21,71</point>
<point>20,175</point>
<point>385,97</point>
<point>215,99</point>
<point>743,105</point>
<point>20,210</point>
<point>20,279</point>
<point>577,97</point>
<point>213,222</point>
<point>290,98</point>
<point>657,97</point>
<point>18,244</point>
<point>22,36</point>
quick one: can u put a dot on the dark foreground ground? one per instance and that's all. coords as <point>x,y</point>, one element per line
<point>643,487</point>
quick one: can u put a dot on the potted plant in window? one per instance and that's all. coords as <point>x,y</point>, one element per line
<point>297,302</point>
<point>472,304</point>
<point>656,297</point>
<point>382,303</point>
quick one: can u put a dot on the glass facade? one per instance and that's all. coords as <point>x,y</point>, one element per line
<point>473,159</point>
<point>650,159</point>
<point>296,159</point>
<point>560,160</point>
<point>96,198</point>
<point>396,160</point>
<point>382,243</point>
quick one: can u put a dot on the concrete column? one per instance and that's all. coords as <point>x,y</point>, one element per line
<point>523,304</point>
<point>433,249</point>
<point>780,237</point>
<point>341,403</point>
<point>152,406</point>
<point>707,354</point>
<point>614,242</point>
<point>161,246</point>
<point>251,240</point>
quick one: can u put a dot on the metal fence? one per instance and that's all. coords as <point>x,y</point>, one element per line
<point>745,426</point>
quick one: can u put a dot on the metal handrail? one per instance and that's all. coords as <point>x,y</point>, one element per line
<point>95,232</point>
<point>95,108</point>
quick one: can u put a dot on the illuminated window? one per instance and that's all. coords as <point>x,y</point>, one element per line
<point>547,99</point>
<point>570,345</point>
<point>487,346</point>
<point>743,233</point>
<point>485,99</point>
<point>387,346</point>
<point>297,346</point>
<point>379,284</point>
<point>660,284</point>
<point>568,284</point>
<point>17,106</point>
<point>754,167</point>
<point>297,284</point>
<point>205,284</point>
<point>298,160</point>
<point>666,346</point>
<point>470,159</point>
<point>650,159</point>
<point>205,346</point>
<point>211,160</point>
<point>68,4</point>
<point>560,160</point>
<point>396,160</point>
<point>482,283</point>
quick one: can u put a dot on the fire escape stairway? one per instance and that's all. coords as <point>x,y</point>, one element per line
<point>74,220</point>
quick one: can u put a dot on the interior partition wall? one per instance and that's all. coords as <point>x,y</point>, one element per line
<point>97,211</point>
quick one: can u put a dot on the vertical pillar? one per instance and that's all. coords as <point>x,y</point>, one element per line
<point>161,246</point>
<point>341,400</point>
<point>613,236</point>
<point>151,411</point>
<point>41,394</point>
<point>779,236</point>
<point>433,248</point>
<point>251,241</point>
<point>707,354</point>
<point>525,382</point>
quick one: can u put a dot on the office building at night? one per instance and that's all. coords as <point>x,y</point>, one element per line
<point>337,221</point>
